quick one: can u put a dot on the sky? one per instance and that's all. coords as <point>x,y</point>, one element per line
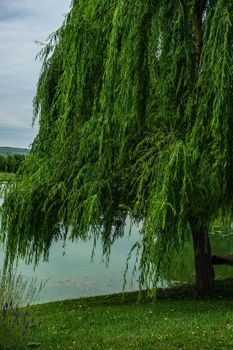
<point>22,23</point>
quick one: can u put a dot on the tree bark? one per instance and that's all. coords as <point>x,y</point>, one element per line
<point>201,243</point>
<point>202,257</point>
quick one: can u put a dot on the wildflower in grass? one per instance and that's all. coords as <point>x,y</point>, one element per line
<point>16,319</point>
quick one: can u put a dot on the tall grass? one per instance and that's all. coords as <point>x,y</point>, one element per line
<point>16,320</point>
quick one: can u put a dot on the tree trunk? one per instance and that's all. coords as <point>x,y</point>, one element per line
<point>202,257</point>
<point>201,244</point>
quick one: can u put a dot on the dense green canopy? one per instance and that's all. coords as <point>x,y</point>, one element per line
<point>132,123</point>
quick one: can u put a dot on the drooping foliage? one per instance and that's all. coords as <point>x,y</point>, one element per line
<point>128,127</point>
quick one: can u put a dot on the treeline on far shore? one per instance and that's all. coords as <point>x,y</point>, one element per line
<point>10,163</point>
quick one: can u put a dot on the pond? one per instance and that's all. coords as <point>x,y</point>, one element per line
<point>71,274</point>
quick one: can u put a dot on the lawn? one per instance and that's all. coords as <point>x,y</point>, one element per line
<point>177,320</point>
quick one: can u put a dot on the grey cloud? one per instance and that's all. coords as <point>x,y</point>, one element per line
<point>21,23</point>
<point>16,137</point>
<point>10,10</point>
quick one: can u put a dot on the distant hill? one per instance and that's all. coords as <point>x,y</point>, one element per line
<point>13,150</point>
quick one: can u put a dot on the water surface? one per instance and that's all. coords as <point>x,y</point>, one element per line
<point>71,273</point>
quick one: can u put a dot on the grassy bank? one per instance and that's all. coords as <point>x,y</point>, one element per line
<point>177,320</point>
<point>7,177</point>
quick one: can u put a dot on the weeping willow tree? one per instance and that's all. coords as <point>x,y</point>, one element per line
<point>134,103</point>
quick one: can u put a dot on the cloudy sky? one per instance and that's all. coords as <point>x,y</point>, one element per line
<point>22,22</point>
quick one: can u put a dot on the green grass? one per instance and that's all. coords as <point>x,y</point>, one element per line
<point>7,177</point>
<point>177,320</point>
